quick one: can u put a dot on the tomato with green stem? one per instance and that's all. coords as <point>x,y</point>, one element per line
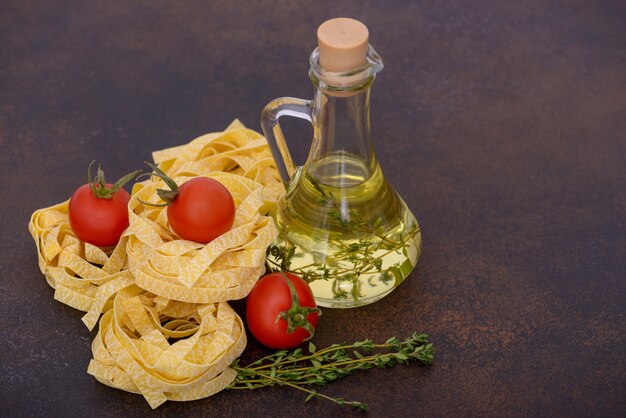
<point>281,311</point>
<point>200,210</point>
<point>98,210</point>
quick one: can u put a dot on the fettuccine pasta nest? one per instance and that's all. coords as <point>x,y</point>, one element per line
<point>237,150</point>
<point>224,269</point>
<point>84,276</point>
<point>132,351</point>
<point>167,331</point>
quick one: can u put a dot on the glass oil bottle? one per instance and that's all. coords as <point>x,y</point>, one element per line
<point>343,228</point>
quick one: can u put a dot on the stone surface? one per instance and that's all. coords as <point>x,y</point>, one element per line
<point>502,124</point>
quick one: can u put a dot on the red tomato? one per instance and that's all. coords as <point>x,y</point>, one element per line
<point>269,298</point>
<point>203,210</point>
<point>98,221</point>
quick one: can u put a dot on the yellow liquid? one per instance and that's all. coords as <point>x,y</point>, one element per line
<point>354,240</point>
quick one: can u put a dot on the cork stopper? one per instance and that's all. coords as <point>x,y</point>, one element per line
<point>343,44</point>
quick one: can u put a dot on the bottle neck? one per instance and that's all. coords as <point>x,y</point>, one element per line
<point>342,154</point>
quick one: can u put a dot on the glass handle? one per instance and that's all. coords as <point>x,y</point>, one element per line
<point>284,106</point>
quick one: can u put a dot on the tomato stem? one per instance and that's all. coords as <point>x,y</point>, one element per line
<point>297,314</point>
<point>98,184</point>
<point>166,195</point>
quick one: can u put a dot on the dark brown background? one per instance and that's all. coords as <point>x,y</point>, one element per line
<point>502,124</point>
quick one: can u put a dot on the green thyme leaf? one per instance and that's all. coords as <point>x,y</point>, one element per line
<point>298,370</point>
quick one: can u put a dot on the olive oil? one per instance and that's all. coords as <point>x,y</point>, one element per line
<point>342,227</point>
<point>351,237</point>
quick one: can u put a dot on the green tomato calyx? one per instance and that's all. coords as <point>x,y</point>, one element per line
<point>297,314</point>
<point>168,196</point>
<point>98,184</point>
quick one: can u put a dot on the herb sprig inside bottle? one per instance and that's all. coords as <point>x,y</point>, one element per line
<point>353,260</point>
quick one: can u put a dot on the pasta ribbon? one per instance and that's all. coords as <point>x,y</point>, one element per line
<point>237,150</point>
<point>140,348</point>
<point>224,269</point>
<point>84,276</point>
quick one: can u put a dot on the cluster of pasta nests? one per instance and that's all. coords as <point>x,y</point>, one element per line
<point>166,329</point>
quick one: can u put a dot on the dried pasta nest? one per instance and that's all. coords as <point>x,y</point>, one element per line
<point>166,350</point>
<point>84,276</point>
<point>236,150</point>
<point>224,269</point>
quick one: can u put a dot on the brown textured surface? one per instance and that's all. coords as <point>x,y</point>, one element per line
<point>502,125</point>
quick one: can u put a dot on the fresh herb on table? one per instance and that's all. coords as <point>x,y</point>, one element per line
<point>299,370</point>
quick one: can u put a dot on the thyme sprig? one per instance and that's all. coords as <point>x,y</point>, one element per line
<point>353,259</point>
<point>299,369</point>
